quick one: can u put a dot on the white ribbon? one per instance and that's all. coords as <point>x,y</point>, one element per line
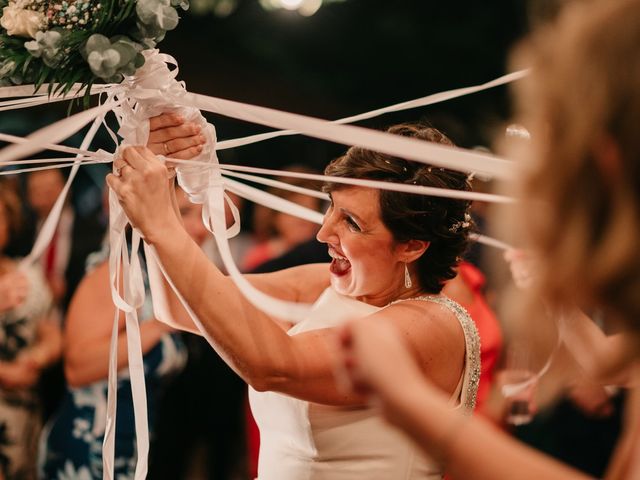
<point>420,102</point>
<point>54,133</point>
<point>50,224</point>
<point>277,184</point>
<point>125,265</point>
<point>380,185</point>
<point>30,91</point>
<point>43,144</point>
<point>143,87</point>
<point>396,145</point>
<point>154,90</point>
<point>133,117</point>
<point>273,201</point>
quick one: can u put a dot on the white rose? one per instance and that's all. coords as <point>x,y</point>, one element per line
<point>21,23</point>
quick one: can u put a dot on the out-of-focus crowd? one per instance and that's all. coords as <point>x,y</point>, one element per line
<point>55,327</point>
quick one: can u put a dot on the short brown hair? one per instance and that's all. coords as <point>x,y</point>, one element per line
<point>444,222</point>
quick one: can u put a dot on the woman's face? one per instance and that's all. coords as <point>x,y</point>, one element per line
<point>43,189</point>
<point>367,263</point>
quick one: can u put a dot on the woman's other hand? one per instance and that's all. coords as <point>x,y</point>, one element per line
<point>592,400</point>
<point>523,267</point>
<point>142,186</point>
<point>170,135</point>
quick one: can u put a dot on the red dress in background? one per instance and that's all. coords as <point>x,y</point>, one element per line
<point>487,325</point>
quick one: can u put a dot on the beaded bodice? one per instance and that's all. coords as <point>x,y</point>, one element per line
<point>471,378</point>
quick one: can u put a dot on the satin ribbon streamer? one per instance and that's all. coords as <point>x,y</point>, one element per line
<point>154,90</point>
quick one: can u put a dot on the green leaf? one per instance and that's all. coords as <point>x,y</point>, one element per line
<point>73,80</point>
<point>44,72</point>
<point>26,64</point>
<point>86,100</point>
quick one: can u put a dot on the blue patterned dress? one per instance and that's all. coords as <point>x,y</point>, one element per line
<point>71,444</point>
<point>20,408</point>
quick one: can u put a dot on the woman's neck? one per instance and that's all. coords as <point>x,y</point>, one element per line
<point>384,299</point>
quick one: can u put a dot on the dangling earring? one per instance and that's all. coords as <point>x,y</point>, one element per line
<point>407,278</point>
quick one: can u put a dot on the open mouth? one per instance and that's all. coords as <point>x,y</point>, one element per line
<point>339,264</point>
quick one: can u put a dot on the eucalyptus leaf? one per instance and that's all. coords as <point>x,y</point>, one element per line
<point>97,42</point>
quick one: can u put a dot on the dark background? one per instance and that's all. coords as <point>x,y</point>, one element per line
<point>351,56</point>
<point>348,58</point>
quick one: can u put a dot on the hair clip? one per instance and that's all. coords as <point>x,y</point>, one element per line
<point>462,224</point>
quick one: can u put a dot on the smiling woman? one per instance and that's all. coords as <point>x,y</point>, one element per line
<point>431,233</point>
<point>392,253</point>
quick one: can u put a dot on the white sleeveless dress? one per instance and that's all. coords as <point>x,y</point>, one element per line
<point>301,440</point>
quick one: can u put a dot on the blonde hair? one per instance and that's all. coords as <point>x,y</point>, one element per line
<point>582,106</point>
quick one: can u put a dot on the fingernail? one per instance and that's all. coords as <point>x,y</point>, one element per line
<point>201,139</point>
<point>197,129</point>
<point>199,148</point>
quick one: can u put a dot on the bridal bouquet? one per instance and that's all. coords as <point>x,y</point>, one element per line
<point>64,42</point>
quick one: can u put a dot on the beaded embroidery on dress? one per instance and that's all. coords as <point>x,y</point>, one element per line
<point>471,378</point>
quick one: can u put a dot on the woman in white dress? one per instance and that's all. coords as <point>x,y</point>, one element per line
<point>392,253</point>
<point>581,104</point>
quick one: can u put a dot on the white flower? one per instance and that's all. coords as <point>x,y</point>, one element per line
<point>47,46</point>
<point>70,473</point>
<point>20,22</point>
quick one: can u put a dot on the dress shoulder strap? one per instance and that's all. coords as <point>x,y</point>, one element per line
<point>471,376</point>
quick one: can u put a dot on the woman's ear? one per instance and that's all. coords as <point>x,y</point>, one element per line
<point>412,250</point>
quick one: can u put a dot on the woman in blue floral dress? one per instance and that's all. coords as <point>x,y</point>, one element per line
<point>71,446</point>
<point>30,340</point>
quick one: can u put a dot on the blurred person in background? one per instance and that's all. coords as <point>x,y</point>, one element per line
<point>239,245</point>
<point>63,262</point>
<point>283,232</point>
<point>581,212</point>
<point>73,439</point>
<point>582,427</point>
<point>30,341</point>
<point>75,237</point>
